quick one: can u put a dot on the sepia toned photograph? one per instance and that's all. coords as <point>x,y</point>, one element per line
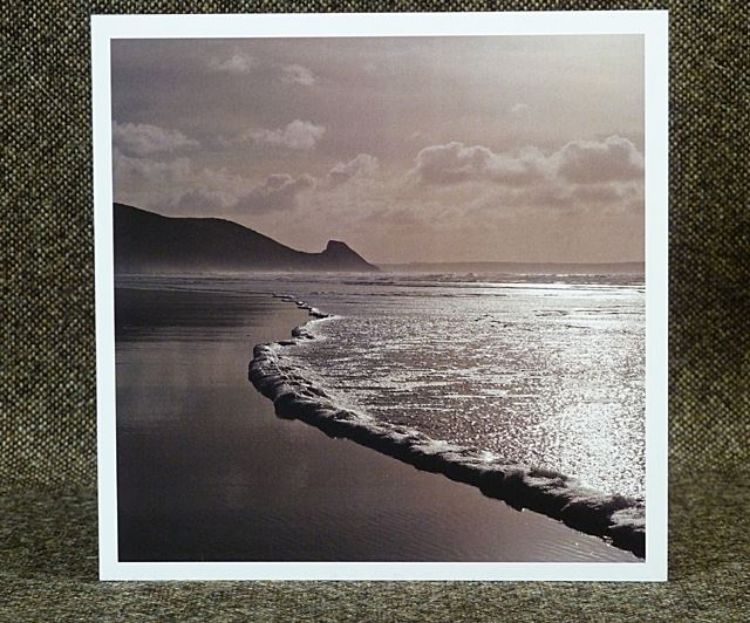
<point>381,298</point>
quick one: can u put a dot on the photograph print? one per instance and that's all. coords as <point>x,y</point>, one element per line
<point>378,299</point>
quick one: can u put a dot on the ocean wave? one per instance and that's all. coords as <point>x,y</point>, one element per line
<point>617,518</point>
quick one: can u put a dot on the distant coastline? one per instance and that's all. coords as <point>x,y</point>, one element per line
<point>539,268</point>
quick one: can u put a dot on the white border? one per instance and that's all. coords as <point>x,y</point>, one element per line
<point>652,24</point>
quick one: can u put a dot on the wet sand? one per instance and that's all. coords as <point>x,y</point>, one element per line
<point>207,472</point>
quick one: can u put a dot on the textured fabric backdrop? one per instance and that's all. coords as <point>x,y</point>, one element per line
<point>47,379</point>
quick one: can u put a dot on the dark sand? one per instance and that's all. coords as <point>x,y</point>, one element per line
<point>206,471</point>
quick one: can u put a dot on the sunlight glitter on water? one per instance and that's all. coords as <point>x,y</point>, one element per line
<point>546,381</point>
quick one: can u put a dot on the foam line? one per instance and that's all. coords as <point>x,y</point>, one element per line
<point>618,519</point>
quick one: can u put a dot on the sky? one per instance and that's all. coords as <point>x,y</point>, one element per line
<point>411,149</point>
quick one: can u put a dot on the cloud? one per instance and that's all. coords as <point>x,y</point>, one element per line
<point>241,63</point>
<point>579,162</point>
<point>455,162</point>
<point>602,175</point>
<point>298,134</point>
<point>203,191</point>
<point>588,162</point>
<point>236,64</point>
<point>297,74</point>
<point>278,192</point>
<point>142,139</point>
<point>133,172</point>
<point>361,166</point>
<point>204,201</point>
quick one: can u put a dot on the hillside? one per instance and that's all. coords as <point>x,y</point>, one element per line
<point>146,242</point>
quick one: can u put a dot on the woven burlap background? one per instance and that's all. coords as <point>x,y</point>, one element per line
<point>47,421</point>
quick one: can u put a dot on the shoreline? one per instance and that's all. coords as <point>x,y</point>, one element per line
<point>617,519</point>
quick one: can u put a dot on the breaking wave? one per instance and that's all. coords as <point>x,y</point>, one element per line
<point>617,518</point>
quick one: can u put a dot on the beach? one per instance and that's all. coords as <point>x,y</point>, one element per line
<point>208,472</point>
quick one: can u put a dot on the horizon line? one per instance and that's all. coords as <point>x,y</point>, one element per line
<point>390,263</point>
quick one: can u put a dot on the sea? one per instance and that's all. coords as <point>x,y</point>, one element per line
<point>544,371</point>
